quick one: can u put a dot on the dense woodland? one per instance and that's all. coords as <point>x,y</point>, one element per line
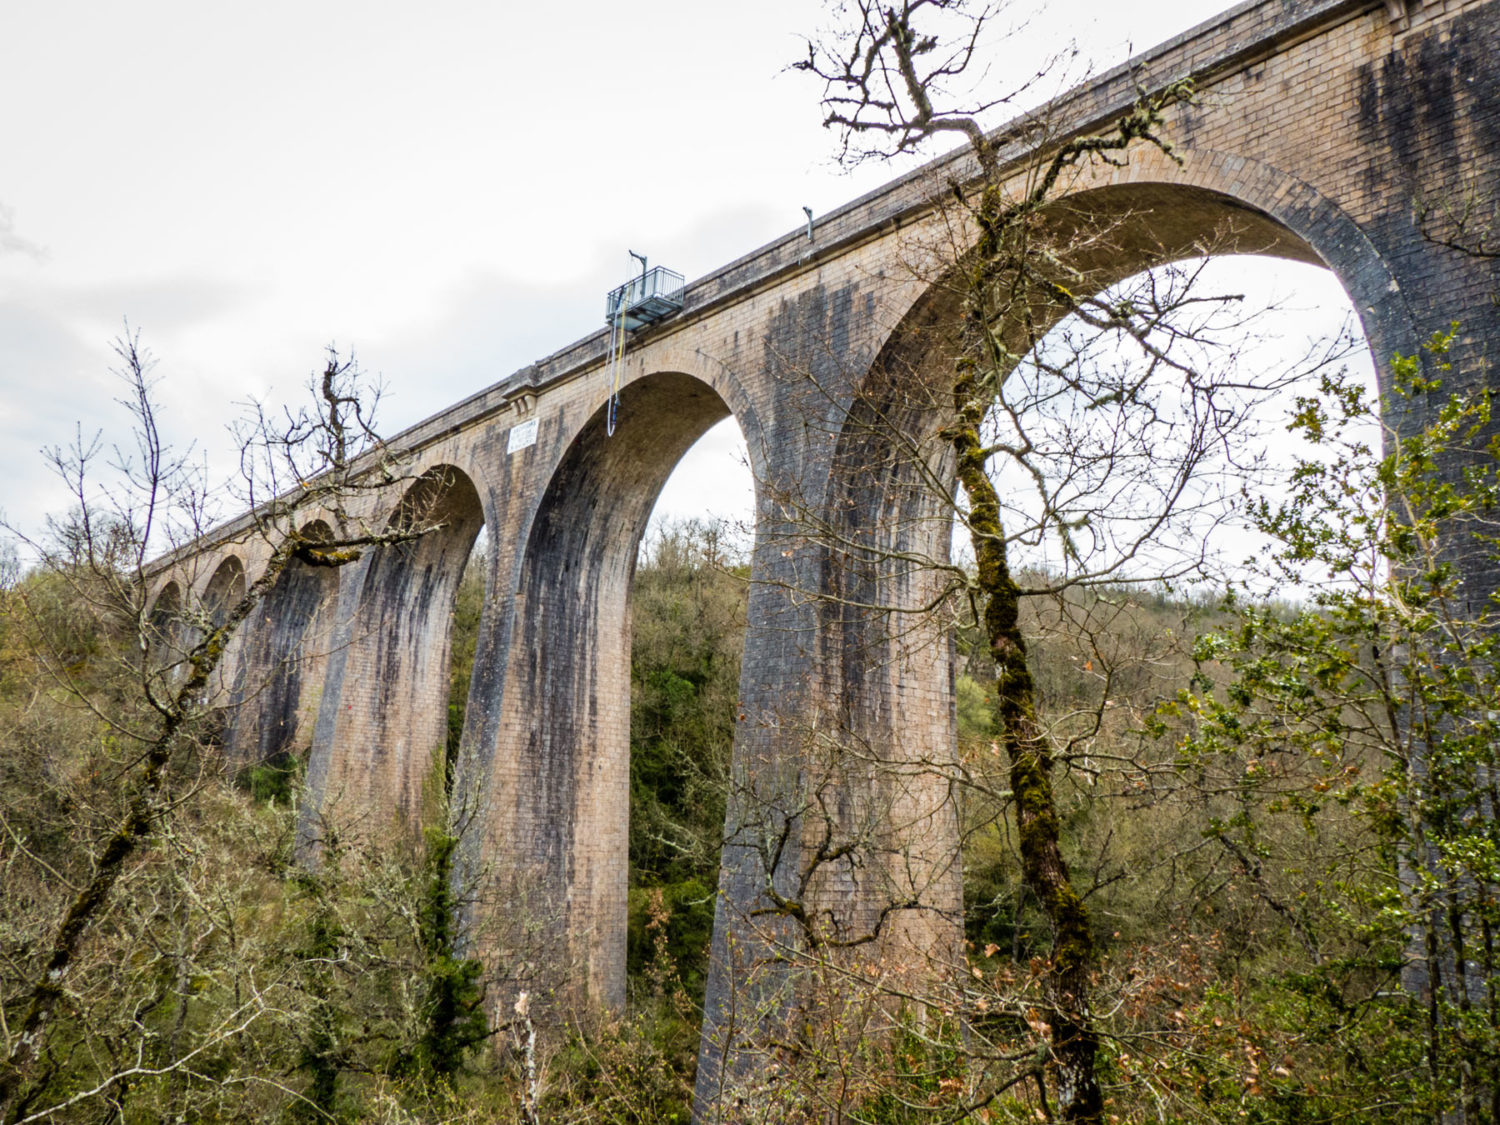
<point>1250,920</point>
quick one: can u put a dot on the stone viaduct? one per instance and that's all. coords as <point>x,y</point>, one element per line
<point>1320,128</point>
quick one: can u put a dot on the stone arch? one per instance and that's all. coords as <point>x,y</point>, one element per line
<point>883,681</point>
<point>1220,202</point>
<point>1156,212</point>
<point>283,657</point>
<point>558,807</point>
<point>383,715</point>
<point>167,599</point>
<point>168,633</point>
<point>882,499</point>
<point>225,587</point>
<point>1211,203</point>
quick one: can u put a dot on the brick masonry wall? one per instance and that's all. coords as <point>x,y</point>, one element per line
<point>1318,128</point>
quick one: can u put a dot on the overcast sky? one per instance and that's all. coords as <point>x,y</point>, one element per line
<point>447,189</point>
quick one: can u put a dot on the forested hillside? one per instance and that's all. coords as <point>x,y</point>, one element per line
<point>1235,824</point>
<point>1278,828</point>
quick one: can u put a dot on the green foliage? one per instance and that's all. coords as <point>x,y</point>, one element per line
<point>1374,706</point>
<point>688,924</point>
<point>634,1072</point>
<point>974,707</point>
<point>451,998</point>
<point>276,780</point>
<point>384,989</point>
<point>1261,819</point>
<point>320,1031</point>
<point>468,605</point>
<point>688,634</point>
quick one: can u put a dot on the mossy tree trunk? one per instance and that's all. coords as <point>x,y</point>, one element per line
<point>1006,278</point>
<point>1044,870</point>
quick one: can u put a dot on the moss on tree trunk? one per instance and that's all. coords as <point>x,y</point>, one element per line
<point>1045,871</point>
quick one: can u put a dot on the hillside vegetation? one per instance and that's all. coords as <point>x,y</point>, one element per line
<point>1252,955</point>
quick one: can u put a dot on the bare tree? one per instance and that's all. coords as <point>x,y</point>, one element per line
<point>897,76</point>
<point>310,461</point>
<point>1105,473</point>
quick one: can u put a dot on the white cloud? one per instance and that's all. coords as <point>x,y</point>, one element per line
<point>13,243</point>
